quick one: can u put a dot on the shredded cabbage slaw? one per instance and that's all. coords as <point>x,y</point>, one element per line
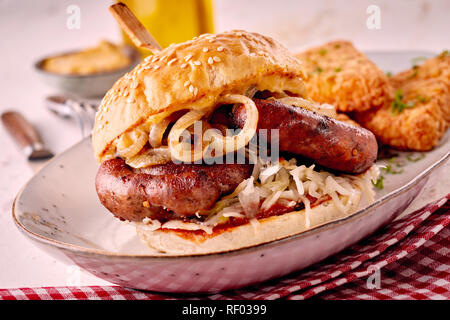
<point>285,183</point>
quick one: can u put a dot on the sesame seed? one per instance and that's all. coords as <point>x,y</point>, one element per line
<point>191,88</point>
<point>252,54</point>
<point>205,49</point>
<point>195,91</point>
<point>217,59</point>
<point>210,60</point>
<point>131,100</point>
<point>188,57</point>
<point>220,49</point>
<point>197,63</point>
<point>211,40</point>
<point>184,65</point>
<point>187,83</point>
<point>147,67</point>
<point>172,61</point>
<point>156,67</point>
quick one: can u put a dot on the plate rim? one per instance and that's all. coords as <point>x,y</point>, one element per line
<point>105,253</point>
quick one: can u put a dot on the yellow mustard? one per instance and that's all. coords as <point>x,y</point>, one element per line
<point>104,57</point>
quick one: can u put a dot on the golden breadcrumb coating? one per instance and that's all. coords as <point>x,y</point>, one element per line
<point>419,115</point>
<point>434,68</point>
<point>341,75</point>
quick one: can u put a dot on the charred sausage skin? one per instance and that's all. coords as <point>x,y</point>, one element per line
<point>331,143</point>
<point>164,192</point>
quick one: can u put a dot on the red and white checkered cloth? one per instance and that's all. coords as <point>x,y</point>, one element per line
<point>409,259</point>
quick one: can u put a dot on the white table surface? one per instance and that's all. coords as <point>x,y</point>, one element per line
<point>31,29</point>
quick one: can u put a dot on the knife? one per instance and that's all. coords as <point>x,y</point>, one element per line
<point>27,138</point>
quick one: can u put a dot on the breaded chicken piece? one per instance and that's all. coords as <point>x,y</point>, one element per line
<point>419,115</point>
<point>434,68</point>
<point>339,74</point>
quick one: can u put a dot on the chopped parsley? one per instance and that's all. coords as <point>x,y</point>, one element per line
<point>323,52</point>
<point>418,158</point>
<point>390,169</point>
<point>388,74</point>
<point>338,69</point>
<point>398,105</point>
<point>319,69</point>
<point>414,73</point>
<point>393,158</point>
<point>422,99</point>
<point>398,162</point>
<point>379,183</point>
<point>417,60</point>
<point>444,54</point>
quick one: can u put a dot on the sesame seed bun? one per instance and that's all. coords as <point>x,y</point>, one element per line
<point>194,75</point>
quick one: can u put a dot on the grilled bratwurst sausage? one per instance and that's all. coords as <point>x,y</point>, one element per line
<point>165,191</point>
<point>329,142</point>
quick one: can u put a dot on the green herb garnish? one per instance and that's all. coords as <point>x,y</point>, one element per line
<point>391,170</point>
<point>398,105</point>
<point>418,158</point>
<point>401,164</point>
<point>398,163</point>
<point>323,52</point>
<point>422,99</point>
<point>393,158</point>
<point>388,74</point>
<point>417,60</point>
<point>415,72</point>
<point>379,183</point>
<point>444,54</point>
<point>319,69</point>
<point>338,69</point>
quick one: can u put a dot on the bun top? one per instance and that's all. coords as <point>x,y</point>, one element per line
<point>193,75</point>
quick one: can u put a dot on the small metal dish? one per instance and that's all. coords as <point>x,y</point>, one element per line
<point>86,86</point>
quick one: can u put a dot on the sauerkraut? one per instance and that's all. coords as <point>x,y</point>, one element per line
<point>286,183</point>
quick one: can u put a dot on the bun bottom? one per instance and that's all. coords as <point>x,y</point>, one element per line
<point>268,229</point>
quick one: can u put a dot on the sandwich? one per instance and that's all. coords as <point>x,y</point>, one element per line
<point>212,145</point>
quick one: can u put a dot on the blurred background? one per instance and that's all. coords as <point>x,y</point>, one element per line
<point>32,29</point>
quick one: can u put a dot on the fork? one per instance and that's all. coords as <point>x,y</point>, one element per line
<point>66,107</point>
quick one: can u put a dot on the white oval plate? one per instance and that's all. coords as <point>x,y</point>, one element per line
<point>59,210</point>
